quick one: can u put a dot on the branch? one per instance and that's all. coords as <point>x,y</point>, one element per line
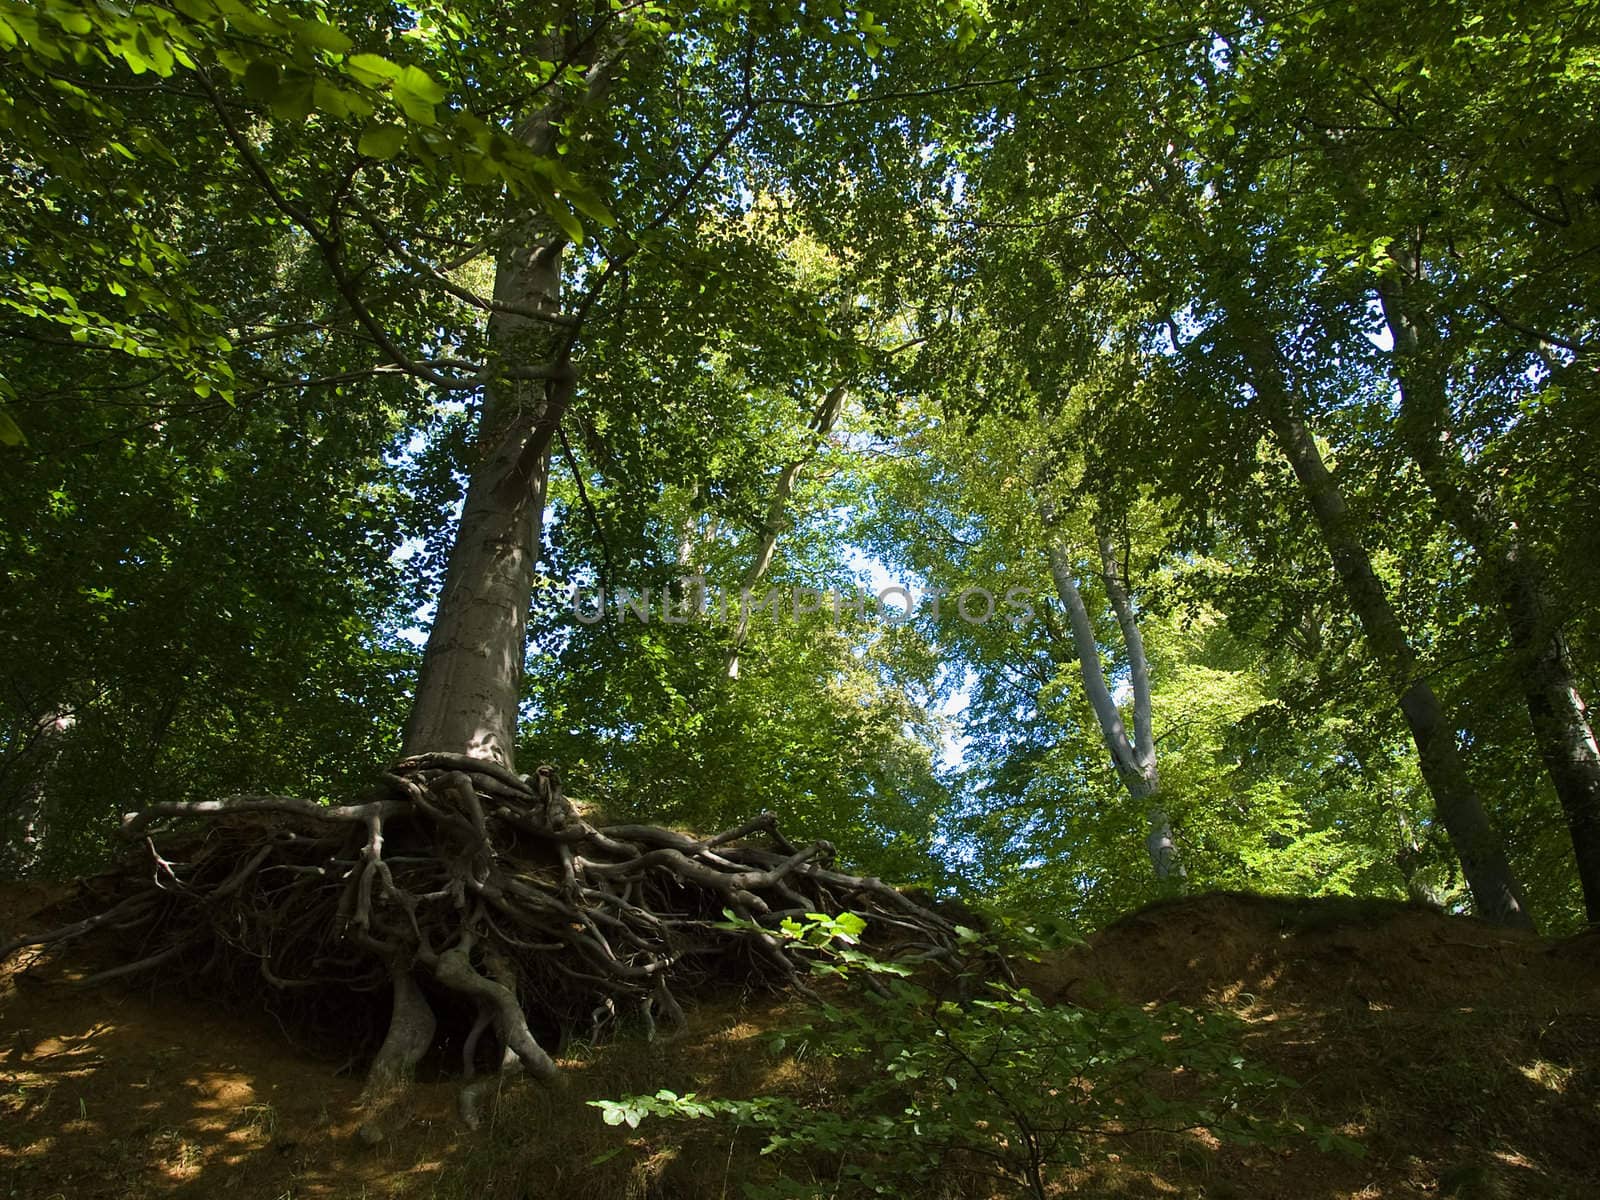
<point>1138,664</point>
<point>470,375</point>
<point>1106,714</point>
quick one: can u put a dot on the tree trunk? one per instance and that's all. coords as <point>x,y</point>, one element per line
<point>469,688</point>
<point>470,684</point>
<point>1163,850</point>
<point>822,423</point>
<point>25,792</point>
<point>1557,715</point>
<point>1496,894</point>
<point>1135,758</point>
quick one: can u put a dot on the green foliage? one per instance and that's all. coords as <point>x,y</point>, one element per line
<point>976,1078</point>
<point>710,409</point>
<point>251,252</point>
<point>223,234</point>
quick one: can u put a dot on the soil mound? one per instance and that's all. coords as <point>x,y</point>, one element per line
<point>1464,1059</point>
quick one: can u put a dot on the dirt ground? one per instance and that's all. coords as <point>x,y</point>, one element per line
<point>1466,1061</point>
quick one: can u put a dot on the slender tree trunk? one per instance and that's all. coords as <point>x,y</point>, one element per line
<point>822,423</point>
<point>1557,714</point>
<point>1559,719</point>
<point>1163,850</point>
<point>1134,758</point>
<point>1497,895</point>
<point>25,796</point>
<point>689,534</point>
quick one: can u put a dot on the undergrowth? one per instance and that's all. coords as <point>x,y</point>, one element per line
<point>956,1082</point>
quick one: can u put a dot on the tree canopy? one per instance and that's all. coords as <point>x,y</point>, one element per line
<point>1061,454</point>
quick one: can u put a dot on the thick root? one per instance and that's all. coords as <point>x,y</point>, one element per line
<point>460,879</point>
<point>411,1030</point>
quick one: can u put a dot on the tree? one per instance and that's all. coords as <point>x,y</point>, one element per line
<point>607,294</point>
<point>1445,204</point>
<point>1134,758</point>
<point>1203,227</point>
<point>456,864</point>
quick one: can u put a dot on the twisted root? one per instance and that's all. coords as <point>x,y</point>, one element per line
<point>459,878</point>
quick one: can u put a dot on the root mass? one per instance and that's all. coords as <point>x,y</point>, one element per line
<point>459,887</point>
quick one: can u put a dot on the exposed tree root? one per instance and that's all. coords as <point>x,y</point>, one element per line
<point>462,888</point>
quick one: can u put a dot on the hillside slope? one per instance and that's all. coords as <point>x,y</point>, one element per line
<point>1466,1060</point>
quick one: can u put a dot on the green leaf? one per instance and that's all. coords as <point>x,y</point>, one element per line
<point>10,432</point>
<point>73,22</point>
<point>332,100</point>
<point>416,92</point>
<point>319,35</point>
<point>565,220</point>
<point>415,108</point>
<point>850,924</point>
<point>382,141</point>
<point>371,69</point>
<point>590,205</point>
<point>419,83</point>
<point>261,80</point>
<point>294,99</point>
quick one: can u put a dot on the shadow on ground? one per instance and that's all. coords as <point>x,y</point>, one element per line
<point>1465,1060</point>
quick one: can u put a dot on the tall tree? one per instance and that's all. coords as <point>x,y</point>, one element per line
<point>1496,891</point>
<point>1557,714</point>
<point>1133,757</point>
<point>440,168</point>
<point>1199,223</point>
<point>469,687</point>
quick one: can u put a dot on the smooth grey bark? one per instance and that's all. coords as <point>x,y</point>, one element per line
<point>1134,758</point>
<point>469,687</point>
<point>1497,895</point>
<point>1559,719</point>
<point>1163,850</point>
<point>823,419</point>
<point>470,684</point>
<point>688,534</point>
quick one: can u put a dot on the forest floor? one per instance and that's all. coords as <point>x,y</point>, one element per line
<point>1466,1060</point>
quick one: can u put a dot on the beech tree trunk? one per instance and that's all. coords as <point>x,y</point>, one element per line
<point>469,688</point>
<point>1163,850</point>
<point>470,684</point>
<point>822,423</point>
<point>1497,895</point>
<point>1557,715</point>
<point>1134,758</point>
